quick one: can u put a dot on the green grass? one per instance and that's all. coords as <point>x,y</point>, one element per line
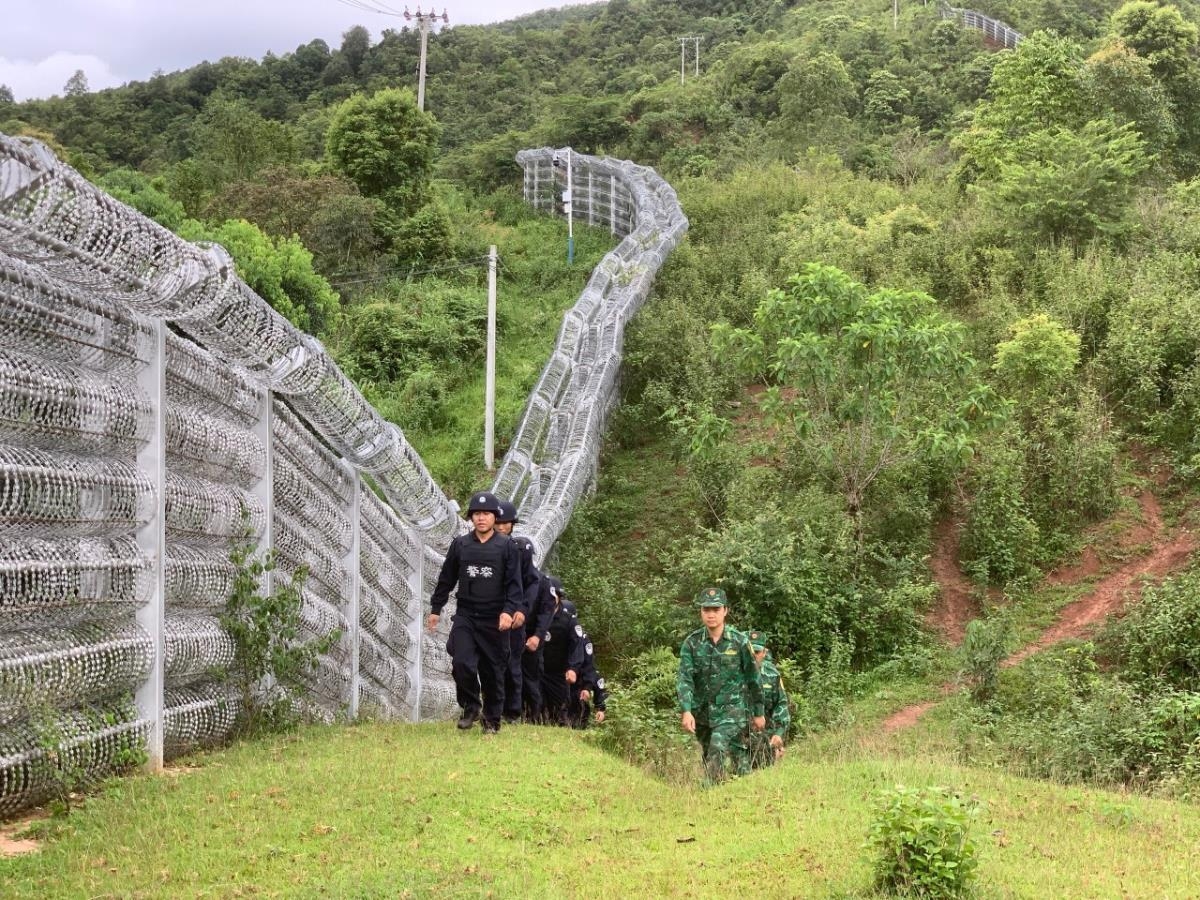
<point>394,810</point>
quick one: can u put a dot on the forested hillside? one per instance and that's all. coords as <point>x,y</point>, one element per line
<point>934,295</point>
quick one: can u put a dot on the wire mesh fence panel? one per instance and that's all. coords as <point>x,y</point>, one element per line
<point>156,414</point>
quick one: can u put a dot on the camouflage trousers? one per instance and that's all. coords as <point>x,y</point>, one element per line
<point>724,747</point>
<point>762,754</point>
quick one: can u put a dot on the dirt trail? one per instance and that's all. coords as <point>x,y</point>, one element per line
<point>956,595</point>
<point>1168,553</point>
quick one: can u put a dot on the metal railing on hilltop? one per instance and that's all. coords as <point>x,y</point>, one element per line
<point>152,405</point>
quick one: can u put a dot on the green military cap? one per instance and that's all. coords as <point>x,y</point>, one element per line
<point>711,597</point>
<point>758,640</point>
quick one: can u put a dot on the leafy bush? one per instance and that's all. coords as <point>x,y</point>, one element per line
<point>643,723</point>
<point>984,647</point>
<point>1001,540</point>
<point>923,841</point>
<point>1158,641</point>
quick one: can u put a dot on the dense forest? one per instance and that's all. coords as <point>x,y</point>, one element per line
<point>929,284</point>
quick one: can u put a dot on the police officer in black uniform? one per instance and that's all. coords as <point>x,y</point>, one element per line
<point>522,687</point>
<point>563,656</point>
<point>529,581</point>
<point>486,568</point>
<point>588,691</point>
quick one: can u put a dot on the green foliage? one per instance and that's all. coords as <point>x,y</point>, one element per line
<point>642,723</point>
<point>923,841</point>
<point>326,212</point>
<point>1158,640</point>
<point>280,271</point>
<point>436,329</point>
<point>1159,34</point>
<point>1035,366</point>
<point>1069,184</point>
<point>273,654</point>
<point>984,647</point>
<point>385,145</point>
<point>1001,541</point>
<point>65,767</point>
<point>147,196</point>
<point>864,382</point>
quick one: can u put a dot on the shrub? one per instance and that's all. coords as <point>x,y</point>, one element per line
<point>923,840</point>
<point>643,723</point>
<point>984,648</point>
<point>1159,639</point>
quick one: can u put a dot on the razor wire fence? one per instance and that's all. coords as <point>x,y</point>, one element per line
<point>153,410</point>
<point>993,30</point>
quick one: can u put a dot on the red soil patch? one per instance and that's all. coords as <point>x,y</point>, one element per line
<point>1111,595</point>
<point>1088,565</point>
<point>10,845</point>
<point>1077,619</point>
<point>956,595</point>
<point>908,716</point>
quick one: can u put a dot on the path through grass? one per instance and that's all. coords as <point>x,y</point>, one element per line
<point>393,810</point>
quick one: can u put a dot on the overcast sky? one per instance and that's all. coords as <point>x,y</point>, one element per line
<point>43,42</point>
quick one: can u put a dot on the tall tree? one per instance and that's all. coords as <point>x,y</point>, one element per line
<point>77,84</point>
<point>864,382</point>
<point>386,146</point>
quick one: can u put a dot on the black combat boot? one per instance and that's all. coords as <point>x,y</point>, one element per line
<point>469,718</point>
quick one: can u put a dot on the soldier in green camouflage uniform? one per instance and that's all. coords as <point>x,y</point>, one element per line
<point>719,690</point>
<point>766,747</point>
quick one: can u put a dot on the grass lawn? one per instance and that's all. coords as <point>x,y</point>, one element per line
<point>387,810</point>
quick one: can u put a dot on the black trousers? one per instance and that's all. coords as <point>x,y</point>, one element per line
<point>480,657</point>
<point>556,696</point>
<point>513,674</point>
<point>532,667</point>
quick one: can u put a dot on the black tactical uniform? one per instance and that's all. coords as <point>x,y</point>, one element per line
<point>564,652</point>
<point>488,577</point>
<point>533,661</point>
<point>580,713</point>
<point>530,583</point>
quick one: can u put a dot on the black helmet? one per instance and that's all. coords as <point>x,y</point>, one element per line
<point>484,501</point>
<point>508,512</point>
<point>557,584</point>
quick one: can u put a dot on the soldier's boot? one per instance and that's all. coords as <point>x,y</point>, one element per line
<point>469,718</point>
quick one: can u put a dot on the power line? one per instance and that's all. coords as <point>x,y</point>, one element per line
<point>401,271</point>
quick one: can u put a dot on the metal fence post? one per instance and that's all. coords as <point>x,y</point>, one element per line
<point>612,204</point>
<point>151,540</point>
<point>351,562</point>
<point>265,489</point>
<point>418,632</point>
<point>591,201</point>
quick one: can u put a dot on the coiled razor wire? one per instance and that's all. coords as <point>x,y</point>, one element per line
<point>82,277</point>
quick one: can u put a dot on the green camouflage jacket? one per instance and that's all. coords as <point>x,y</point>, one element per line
<point>718,681</point>
<point>775,701</point>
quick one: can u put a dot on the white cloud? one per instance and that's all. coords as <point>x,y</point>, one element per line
<point>45,77</point>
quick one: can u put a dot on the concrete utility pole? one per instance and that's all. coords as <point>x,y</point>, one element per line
<point>424,21</point>
<point>489,415</point>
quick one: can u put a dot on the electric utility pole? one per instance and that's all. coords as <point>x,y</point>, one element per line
<point>489,404</point>
<point>424,21</point>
